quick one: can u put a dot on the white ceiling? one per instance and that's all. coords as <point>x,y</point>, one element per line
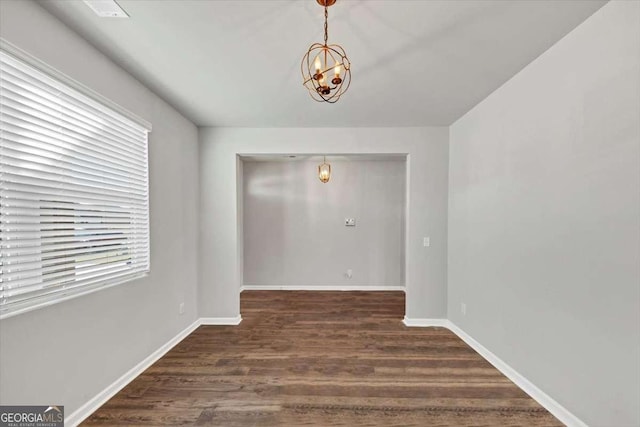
<point>237,63</point>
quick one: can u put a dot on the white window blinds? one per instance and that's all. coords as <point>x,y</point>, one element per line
<point>74,205</point>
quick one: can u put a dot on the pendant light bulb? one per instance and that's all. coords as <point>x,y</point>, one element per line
<point>324,171</point>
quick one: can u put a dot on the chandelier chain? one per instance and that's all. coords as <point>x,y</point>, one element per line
<point>326,25</point>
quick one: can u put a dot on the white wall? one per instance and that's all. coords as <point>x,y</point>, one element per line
<point>544,220</point>
<point>67,353</point>
<point>294,231</point>
<point>221,218</point>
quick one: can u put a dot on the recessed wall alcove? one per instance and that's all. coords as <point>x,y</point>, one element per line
<point>295,231</point>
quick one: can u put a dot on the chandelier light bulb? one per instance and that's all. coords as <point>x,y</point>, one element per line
<point>336,79</point>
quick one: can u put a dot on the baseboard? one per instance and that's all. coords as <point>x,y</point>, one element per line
<point>221,320</point>
<point>425,322</point>
<point>320,288</point>
<point>557,410</point>
<point>101,398</point>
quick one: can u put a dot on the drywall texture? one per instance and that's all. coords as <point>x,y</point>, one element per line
<point>67,353</point>
<point>294,225</point>
<point>221,204</point>
<point>544,220</point>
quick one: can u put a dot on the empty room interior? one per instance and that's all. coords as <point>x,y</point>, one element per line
<point>320,213</point>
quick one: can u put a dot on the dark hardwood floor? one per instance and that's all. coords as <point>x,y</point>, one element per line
<point>322,359</point>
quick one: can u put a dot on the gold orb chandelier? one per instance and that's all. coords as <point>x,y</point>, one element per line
<point>326,70</point>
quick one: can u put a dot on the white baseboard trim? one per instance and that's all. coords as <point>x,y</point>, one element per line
<point>221,320</point>
<point>557,410</point>
<point>424,323</point>
<point>101,398</point>
<point>320,288</point>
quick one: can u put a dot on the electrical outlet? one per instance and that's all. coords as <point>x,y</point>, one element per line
<point>350,222</point>
<point>463,309</point>
<point>426,242</point>
<point>349,273</point>
<point>181,308</point>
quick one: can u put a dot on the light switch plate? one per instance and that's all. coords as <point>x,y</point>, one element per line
<point>426,242</point>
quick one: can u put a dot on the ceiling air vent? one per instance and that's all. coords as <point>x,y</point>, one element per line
<point>106,8</point>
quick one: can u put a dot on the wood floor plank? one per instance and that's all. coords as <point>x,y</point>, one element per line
<point>322,359</point>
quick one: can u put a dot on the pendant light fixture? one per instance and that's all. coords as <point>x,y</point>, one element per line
<point>324,171</point>
<point>326,71</point>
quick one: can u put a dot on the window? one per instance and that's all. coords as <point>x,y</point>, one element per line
<point>74,203</point>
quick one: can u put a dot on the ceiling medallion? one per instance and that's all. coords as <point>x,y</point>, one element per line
<point>326,71</point>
